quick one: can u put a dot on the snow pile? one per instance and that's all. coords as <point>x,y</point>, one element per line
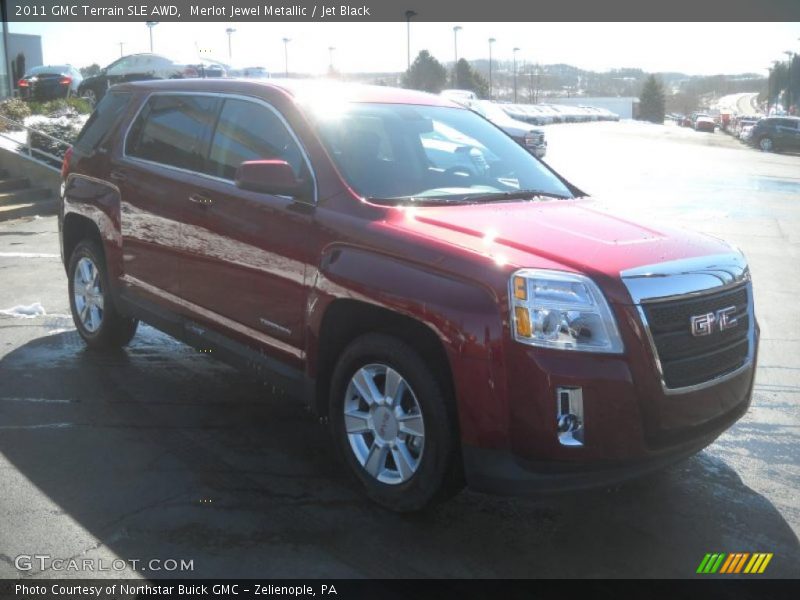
<point>25,312</point>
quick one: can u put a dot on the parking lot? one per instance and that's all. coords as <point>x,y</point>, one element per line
<point>159,452</point>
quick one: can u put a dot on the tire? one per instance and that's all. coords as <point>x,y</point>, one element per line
<point>766,144</point>
<point>90,96</point>
<point>96,318</point>
<point>400,471</point>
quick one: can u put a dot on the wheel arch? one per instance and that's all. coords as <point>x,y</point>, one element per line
<point>346,319</point>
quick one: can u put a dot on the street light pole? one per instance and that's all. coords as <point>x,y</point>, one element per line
<point>286,56</point>
<point>456,29</point>
<point>230,31</point>
<point>150,26</point>
<point>410,14</point>
<point>514,51</point>
<point>491,92</point>
<point>121,53</point>
<point>330,56</point>
<point>789,95</point>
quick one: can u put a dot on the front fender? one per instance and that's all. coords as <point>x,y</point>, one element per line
<point>465,316</point>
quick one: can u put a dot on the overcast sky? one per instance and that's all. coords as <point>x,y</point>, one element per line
<point>694,48</point>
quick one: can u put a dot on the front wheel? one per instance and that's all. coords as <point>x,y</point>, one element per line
<point>766,144</point>
<point>96,318</point>
<point>393,424</point>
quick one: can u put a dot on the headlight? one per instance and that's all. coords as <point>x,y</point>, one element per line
<point>555,309</point>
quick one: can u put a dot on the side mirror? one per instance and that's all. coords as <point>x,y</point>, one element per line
<point>269,177</point>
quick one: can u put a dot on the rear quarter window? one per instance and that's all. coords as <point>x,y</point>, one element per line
<point>102,121</point>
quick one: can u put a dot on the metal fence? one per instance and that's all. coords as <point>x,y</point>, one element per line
<point>36,154</point>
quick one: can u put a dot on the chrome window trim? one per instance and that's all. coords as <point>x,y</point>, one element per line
<point>222,95</point>
<point>685,279</point>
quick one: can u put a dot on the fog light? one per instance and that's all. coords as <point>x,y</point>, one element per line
<point>569,416</point>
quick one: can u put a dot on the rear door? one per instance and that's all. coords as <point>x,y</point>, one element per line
<point>246,252</point>
<point>163,155</point>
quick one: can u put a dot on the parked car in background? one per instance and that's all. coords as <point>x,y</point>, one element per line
<point>50,82</point>
<point>529,138</point>
<point>141,67</point>
<point>482,324</point>
<point>703,122</point>
<point>774,134</point>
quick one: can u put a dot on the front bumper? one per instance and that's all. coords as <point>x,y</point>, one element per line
<point>632,425</point>
<point>503,472</point>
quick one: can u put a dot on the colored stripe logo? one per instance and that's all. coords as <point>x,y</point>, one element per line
<point>736,562</point>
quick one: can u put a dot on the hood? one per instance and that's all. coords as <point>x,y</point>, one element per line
<point>560,234</point>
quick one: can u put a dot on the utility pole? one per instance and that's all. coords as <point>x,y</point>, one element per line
<point>514,51</point>
<point>286,56</point>
<point>410,14</point>
<point>150,26</point>
<point>121,53</point>
<point>230,31</point>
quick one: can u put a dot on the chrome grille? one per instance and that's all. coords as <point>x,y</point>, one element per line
<point>686,359</point>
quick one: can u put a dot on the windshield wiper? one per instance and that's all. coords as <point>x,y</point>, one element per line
<point>469,198</point>
<point>419,200</point>
<point>514,195</point>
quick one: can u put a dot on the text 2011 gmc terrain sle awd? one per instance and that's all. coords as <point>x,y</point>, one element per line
<point>456,310</point>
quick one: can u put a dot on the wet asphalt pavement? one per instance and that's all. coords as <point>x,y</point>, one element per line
<point>159,452</point>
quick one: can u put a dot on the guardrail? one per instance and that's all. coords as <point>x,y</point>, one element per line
<point>26,145</point>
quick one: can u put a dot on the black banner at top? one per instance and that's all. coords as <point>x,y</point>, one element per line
<point>394,10</point>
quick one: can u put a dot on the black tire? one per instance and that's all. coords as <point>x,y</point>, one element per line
<point>115,330</point>
<point>438,475</point>
<point>766,144</point>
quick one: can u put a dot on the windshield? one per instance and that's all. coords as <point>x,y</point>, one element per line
<point>408,153</point>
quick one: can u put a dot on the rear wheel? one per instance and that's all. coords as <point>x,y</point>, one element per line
<point>96,318</point>
<point>766,144</point>
<point>90,96</point>
<point>393,425</point>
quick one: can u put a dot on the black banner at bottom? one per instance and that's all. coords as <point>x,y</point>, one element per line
<point>407,589</point>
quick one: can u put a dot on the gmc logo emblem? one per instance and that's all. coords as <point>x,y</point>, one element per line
<point>706,324</point>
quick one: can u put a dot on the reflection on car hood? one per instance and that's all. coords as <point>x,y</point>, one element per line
<point>556,233</point>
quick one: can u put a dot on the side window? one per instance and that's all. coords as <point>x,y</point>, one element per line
<point>171,129</point>
<point>249,131</point>
<point>104,117</point>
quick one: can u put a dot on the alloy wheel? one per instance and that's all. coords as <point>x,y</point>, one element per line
<point>384,423</point>
<point>88,294</point>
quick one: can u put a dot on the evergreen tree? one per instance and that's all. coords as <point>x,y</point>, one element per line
<point>651,101</point>
<point>426,74</point>
<point>467,78</point>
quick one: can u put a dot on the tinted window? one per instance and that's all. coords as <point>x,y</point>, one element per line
<point>249,131</point>
<point>171,130</point>
<point>103,119</point>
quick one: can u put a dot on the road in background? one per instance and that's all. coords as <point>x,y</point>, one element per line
<point>160,452</point>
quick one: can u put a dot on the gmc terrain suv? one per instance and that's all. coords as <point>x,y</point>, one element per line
<point>452,307</point>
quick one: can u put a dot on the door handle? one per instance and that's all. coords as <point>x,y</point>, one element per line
<point>119,176</point>
<point>201,199</point>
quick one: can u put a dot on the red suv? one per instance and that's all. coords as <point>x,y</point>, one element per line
<point>453,308</point>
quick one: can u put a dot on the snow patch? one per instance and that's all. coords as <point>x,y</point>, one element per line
<point>27,255</point>
<point>22,311</point>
